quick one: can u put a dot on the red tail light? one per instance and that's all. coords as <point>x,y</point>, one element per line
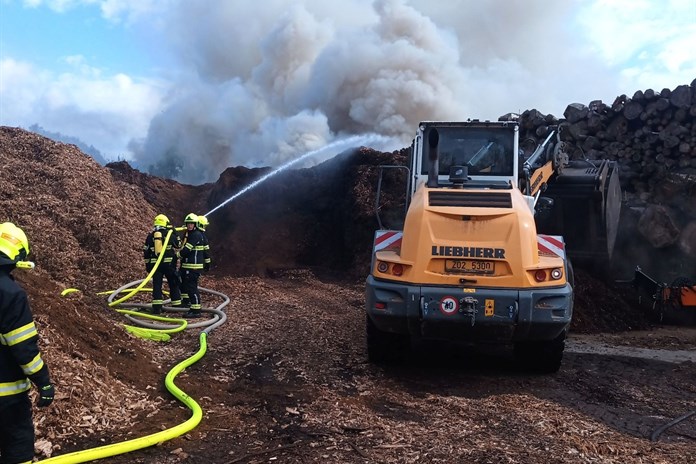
<point>540,275</point>
<point>397,269</point>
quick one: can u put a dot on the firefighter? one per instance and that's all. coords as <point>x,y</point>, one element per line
<point>202,225</point>
<point>20,359</point>
<point>154,246</point>
<point>192,263</point>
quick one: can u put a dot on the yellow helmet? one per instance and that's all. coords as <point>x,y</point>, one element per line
<point>13,242</point>
<point>202,222</point>
<point>191,217</point>
<point>161,220</point>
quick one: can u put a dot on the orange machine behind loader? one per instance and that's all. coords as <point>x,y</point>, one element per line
<point>673,303</point>
<point>469,265</point>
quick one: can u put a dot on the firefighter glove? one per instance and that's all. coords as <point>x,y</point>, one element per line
<point>46,394</point>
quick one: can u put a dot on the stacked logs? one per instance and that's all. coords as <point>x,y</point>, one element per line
<point>652,136</point>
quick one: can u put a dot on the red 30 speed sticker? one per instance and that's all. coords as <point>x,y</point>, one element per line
<point>449,305</point>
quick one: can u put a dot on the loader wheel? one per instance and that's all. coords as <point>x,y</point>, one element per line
<point>541,357</point>
<point>570,273</point>
<point>385,347</point>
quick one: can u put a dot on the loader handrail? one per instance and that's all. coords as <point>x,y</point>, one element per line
<point>379,189</point>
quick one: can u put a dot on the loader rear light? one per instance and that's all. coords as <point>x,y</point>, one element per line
<point>556,274</point>
<point>540,275</point>
<point>397,269</point>
<point>382,267</point>
<point>380,305</point>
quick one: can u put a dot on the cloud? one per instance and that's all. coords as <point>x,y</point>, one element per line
<point>112,10</point>
<point>650,45</point>
<point>103,110</point>
<point>59,6</point>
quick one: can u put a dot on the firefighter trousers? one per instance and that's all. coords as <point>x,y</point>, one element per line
<point>189,286</point>
<point>16,429</point>
<point>172,277</point>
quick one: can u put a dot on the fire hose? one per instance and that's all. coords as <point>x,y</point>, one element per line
<point>658,431</point>
<point>157,330</point>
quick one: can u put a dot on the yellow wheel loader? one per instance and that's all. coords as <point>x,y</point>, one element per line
<point>469,264</point>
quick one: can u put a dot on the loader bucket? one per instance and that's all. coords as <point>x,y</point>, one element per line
<point>587,206</point>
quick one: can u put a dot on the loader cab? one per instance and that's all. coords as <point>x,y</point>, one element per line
<point>487,150</point>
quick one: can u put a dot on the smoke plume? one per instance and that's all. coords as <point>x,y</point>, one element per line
<point>266,83</point>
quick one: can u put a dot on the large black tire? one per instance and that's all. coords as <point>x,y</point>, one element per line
<point>570,273</point>
<point>385,347</point>
<point>542,357</point>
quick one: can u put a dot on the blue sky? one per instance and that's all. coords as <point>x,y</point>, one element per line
<point>45,38</point>
<point>148,80</point>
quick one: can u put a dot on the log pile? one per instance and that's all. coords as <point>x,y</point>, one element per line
<point>652,136</point>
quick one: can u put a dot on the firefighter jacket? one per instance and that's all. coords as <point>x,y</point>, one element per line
<point>154,246</point>
<point>206,248</point>
<point>193,254</point>
<point>20,358</point>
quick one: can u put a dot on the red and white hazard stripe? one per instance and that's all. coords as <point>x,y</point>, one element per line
<point>387,239</point>
<point>551,245</point>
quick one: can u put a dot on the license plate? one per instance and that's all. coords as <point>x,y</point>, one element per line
<point>469,266</point>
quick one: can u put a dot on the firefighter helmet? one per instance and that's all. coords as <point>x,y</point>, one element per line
<point>202,222</point>
<point>191,217</point>
<point>161,220</point>
<point>13,242</point>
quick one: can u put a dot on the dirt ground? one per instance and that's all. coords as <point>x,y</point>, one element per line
<point>286,379</point>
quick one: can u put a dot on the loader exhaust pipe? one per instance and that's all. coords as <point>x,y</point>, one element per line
<point>433,157</point>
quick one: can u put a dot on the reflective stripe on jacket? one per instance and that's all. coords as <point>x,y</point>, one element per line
<point>206,248</point>
<point>193,253</point>
<point>20,358</point>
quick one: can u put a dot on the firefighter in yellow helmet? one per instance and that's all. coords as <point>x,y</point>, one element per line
<point>192,262</point>
<point>21,364</point>
<point>153,248</point>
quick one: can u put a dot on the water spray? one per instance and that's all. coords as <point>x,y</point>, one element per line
<point>338,143</point>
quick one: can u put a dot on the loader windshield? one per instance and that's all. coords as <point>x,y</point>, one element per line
<point>485,150</point>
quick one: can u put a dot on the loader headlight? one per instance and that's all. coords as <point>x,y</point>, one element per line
<point>556,274</point>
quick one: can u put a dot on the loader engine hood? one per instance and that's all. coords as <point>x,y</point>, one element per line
<point>481,236</point>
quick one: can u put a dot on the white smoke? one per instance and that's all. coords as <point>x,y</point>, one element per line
<point>269,87</point>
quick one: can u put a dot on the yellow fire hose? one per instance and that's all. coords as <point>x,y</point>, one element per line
<point>149,440</point>
<point>159,332</point>
<point>160,335</point>
<point>149,276</point>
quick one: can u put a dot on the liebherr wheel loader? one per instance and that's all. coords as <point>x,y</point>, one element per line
<point>469,264</point>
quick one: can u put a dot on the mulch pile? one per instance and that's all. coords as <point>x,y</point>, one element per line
<point>85,231</point>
